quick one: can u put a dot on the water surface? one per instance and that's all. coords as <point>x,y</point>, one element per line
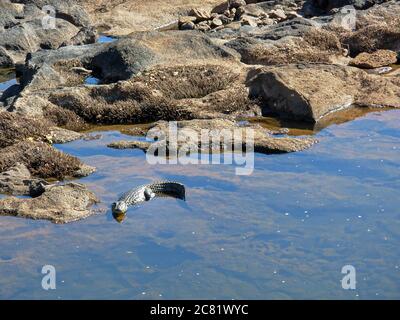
<point>286,231</point>
<point>105,39</point>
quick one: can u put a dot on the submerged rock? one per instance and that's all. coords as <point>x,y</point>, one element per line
<point>58,204</point>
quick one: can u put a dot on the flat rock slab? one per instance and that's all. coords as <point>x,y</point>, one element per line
<point>58,204</point>
<point>228,135</point>
<point>308,92</point>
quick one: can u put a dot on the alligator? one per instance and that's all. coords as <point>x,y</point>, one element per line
<point>148,192</point>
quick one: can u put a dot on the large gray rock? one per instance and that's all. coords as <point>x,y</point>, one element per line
<point>22,30</point>
<point>30,37</point>
<point>310,92</point>
<point>68,10</point>
<point>124,58</point>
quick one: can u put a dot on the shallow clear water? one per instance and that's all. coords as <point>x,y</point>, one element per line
<point>284,232</point>
<point>92,81</point>
<point>106,39</point>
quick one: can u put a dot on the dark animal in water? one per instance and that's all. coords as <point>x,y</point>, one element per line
<point>148,192</point>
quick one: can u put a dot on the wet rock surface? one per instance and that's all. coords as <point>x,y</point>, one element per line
<point>58,204</point>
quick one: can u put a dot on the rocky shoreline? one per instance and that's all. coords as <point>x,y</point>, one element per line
<point>295,60</point>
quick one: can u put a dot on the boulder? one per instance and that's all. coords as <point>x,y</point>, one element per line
<point>189,25</point>
<point>122,59</point>
<point>119,60</point>
<point>127,57</point>
<point>200,14</point>
<point>30,37</point>
<point>316,45</point>
<point>68,10</point>
<point>249,20</point>
<point>186,19</point>
<point>372,38</point>
<point>308,92</point>
<point>86,35</point>
<point>221,8</point>
<point>216,22</point>
<point>6,60</point>
<point>294,28</point>
<point>8,14</point>
<point>377,59</point>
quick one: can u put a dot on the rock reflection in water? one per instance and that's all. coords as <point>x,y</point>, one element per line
<point>308,128</point>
